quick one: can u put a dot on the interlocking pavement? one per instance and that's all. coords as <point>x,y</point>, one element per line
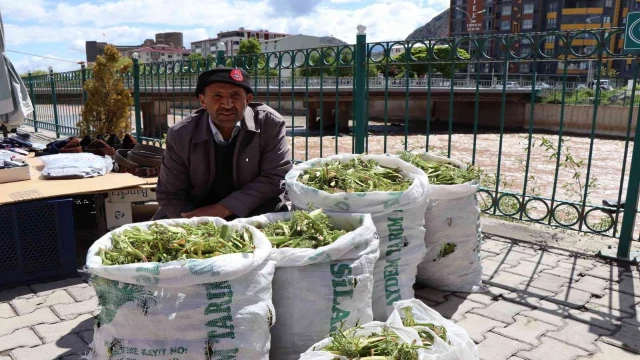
<point>541,304</point>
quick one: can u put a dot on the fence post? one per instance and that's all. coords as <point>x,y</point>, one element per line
<point>360,89</point>
<point>630,205</point>
<point>33,101</point>
<point>220,54</point>
<point>136,95</point>
<point>83,70</point>
<point>54,101</point>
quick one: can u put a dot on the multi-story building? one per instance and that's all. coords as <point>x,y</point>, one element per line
<point>487,17</point>
<point>175,39</point>
<point>232,39</point>
<point>158,53</point>
<point>205,47</point>
<point>170,39</point>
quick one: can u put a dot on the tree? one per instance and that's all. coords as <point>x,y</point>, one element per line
<point>249,46</point>
<point>248,51</point>
<point>108,101</point>
<point>36,73</point>
<point>343,68</point>
<point>195,57</point>
<point>419,65</point>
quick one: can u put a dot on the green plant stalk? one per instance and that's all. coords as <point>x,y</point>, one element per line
<point>355,175</point>
<point>162,243</point>
<point>303,230</point>
<point>442,173</point>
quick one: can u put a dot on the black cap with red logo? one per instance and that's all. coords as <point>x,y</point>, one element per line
<point>233,76</point>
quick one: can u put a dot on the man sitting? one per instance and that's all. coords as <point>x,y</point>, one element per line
<point>229,158</point>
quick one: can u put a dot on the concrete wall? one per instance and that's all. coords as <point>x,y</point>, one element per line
<point>610,121</point>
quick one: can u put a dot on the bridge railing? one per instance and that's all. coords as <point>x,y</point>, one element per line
<point>556,148</point>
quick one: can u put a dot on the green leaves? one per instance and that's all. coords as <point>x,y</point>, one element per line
<point>161,243</point>
<point>442,173</point>
<point>355,175</point>
<point>304,230</point>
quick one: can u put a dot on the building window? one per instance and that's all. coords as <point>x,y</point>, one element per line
<point>275,47</point>
<point>549,52</point>
<point>528,8</point>
<point>524,67</point>
<point>608,3</point>
<point>236,43</point>
<point>624,20</point>
<point>504,25</point>
<point>506,10</point>
<point>551,23</point>
<point>547,67</point>
<point>527,24</point>
<point>525,51</point>
<point>552,7</point>
<point>606,20</point>
<point>488,25</point>
<point>170,56</point>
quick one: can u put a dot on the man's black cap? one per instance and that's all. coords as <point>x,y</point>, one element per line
<point>225,75</point>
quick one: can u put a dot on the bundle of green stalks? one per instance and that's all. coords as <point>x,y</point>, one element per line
<point>162,243</point>
<point>385,345</point>
<point>303,230</point>
<point>442,173</point>
<point>355,175</point>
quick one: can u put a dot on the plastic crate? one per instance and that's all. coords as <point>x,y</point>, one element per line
<point>37,242</point>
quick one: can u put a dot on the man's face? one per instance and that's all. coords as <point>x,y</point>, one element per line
<point>225,103</point>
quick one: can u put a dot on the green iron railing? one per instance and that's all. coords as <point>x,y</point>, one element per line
<point>552,150</point>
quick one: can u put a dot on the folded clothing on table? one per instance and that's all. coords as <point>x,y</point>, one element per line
<point>77,165</point>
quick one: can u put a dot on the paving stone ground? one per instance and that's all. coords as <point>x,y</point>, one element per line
<point>540,304</point>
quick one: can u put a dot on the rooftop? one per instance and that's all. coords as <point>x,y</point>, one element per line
<point>161,49</point>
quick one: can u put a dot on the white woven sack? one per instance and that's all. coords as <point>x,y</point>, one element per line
<point>405,335</point>
<point>452,217</point>
<point>182,310</point>
<point>398,217</point>
<point>314,290</point>
<point>459,345</point>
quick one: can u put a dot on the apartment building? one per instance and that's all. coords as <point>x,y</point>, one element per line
<point>489,17</point>
<point>232,39</point>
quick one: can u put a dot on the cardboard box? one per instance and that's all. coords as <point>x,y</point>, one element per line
<point>128,206</point>
<point>131,195</point>
<point>8,175</point>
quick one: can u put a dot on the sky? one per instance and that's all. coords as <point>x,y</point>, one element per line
<point>59,28</point>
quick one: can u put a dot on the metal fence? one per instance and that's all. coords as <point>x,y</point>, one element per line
<point>554,152</point>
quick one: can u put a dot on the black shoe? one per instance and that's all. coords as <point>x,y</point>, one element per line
<point>85,141</point>
<point>113,140</point>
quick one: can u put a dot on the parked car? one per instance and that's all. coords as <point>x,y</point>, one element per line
<point>510,85</point>
<point>543,86</point>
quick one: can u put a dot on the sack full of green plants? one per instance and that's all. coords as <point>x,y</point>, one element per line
<point>452,221</point>
<point>412,332</point>
<point>182,289</point>
<point>396,195</point>
<point>324,274</point>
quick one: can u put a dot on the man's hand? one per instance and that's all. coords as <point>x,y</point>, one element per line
<point>216,210</point>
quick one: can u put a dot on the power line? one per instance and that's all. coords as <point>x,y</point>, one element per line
<point>44,57</point>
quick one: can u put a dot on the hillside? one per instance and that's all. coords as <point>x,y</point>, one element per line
<point>438,27</point>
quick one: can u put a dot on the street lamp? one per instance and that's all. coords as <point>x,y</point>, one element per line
<point>474,14</point>
<point>222,48</point>
<point>471,20</point>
